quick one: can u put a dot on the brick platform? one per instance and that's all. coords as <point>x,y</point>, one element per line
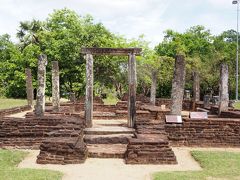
<point>63,151</point>
<point>150,145</point>
<point>150,127</point>
<point>149,149</point>
<point>31,131</point>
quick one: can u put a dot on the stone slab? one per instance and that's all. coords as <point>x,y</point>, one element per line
<point>111,51</point>
<point>155,108</point>
<point>198,115</point>
<point>109,130</point>
<point>173,119</point>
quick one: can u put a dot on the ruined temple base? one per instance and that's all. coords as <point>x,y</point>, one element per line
<point>63,151</point>
<point>149,149</point>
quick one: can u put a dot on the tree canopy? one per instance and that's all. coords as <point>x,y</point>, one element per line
<point>64,33</point>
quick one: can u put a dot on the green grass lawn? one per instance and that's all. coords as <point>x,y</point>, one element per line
<point>110,101</point>
<point>237,105</point>
<point>6,103</point>
<point>9,103</point>
<point>220,165</point>
<point>9,171</point>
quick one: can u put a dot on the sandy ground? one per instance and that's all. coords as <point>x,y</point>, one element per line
<point>19,115</point>
<point>108,169</point>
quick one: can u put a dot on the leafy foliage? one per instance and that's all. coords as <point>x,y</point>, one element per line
<point>62,35</point>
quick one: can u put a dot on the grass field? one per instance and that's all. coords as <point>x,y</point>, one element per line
<point>9,171</point>
<point>237,105</point>
<point>9,103</point>
<point>216,165</point>
<point>110,101</point>
<point>6,103</point>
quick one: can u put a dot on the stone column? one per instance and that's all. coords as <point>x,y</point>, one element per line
<point>196,87</point>
<point>224,97</point>
<point>132,81</point>
<point>40,104</point>
<point>55,86</point>
<point>178,85</point>
<point>153,88</point>
<point>72,97</point>
<point>29,86</point>
<point>89,90</point>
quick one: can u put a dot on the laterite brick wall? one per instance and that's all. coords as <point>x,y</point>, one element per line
<point>221,132</point>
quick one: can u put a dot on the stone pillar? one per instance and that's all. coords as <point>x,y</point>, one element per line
<point>178,85</point>
<point>224,97</point>
<point>206,101</point>
<point>196,87</point>
<point>29,86</point>
<point>40,104</point>
<point>55,86</point>
<point>132,81</point>
<point>72,97</point>
<point>89,90</point>
<point>153,88</point>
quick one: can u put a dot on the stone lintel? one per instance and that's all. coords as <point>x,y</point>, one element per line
<point>112,51</point>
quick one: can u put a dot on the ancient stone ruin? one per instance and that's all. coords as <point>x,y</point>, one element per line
<point>133,129</point>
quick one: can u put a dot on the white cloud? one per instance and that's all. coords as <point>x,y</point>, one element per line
<point>127,17</point>
<point>221,3</point>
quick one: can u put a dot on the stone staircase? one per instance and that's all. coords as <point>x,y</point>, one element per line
<point>111,138</point>
<point>107,138</point>
<point>150,145</point>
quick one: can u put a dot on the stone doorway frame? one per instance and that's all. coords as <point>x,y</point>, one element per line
<point>132,79</point>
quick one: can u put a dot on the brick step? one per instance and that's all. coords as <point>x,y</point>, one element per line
<point>106,150</point>
<point>102,113</point>
<point>103,130</point>
<point>107,115</point>
<point>107,139</point>
<point>152,127</point>
<point>110,122</point>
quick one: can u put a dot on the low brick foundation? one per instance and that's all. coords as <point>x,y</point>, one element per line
<point>150,127</point>
<point>63,151</point>
<point>150,146</point>
<point>149,149</point>
<point>31,131</point>
<point>218,132</point>
<point>187,104</point>
<point>14,110</point>
<point>59,135</point>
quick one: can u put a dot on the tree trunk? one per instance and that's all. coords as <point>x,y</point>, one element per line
<point>29,86</point>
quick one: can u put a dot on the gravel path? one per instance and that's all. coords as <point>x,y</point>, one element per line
<point>108,169</point>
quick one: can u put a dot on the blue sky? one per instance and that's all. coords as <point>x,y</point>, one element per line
<point>128,17</point>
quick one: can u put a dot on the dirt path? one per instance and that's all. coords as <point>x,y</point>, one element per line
<point>108,169</point>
